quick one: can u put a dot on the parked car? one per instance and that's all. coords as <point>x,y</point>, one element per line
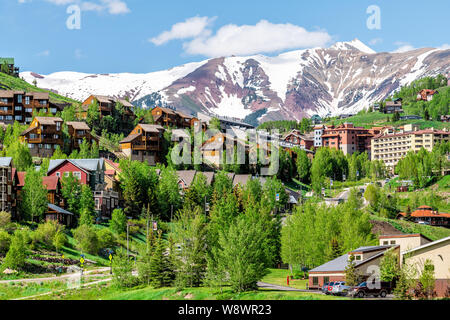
<point>362,290</point>
<point>325,288</point>
<point>424,223</point>
<point>329,287</point>
<point>340,289</point>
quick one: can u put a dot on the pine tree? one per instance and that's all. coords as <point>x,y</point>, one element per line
<point>351,274</point>
<point>159,267</point>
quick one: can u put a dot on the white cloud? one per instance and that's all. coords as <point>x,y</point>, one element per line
<point>112,6</point>
<point>445,46</point>
<point>44,53</point>
<point>190,28</point>
<point>263,37</point>
<point>403,47</point>
<point>375,41</point>
<point>79,54</point>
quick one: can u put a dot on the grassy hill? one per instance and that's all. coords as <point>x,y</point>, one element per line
<point>12,83</point>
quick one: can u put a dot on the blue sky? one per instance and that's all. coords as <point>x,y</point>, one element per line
<point>125,35</point>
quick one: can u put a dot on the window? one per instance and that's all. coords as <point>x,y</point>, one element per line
<point>58,126</point>
<point>392,241</point>
<point>326,279</point>
<point>19,98</point>
<point>315,280</point>
<point>385,243</point>
<point>58,174</point>
<point>31,146</point>
<point>357,257</point>
<point>97,203</point>
<point>27,100</point>
<point>77,174</point>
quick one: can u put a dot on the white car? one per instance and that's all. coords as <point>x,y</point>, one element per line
<point>340,289</point>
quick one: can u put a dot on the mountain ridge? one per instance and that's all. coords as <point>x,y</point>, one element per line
<point>344,78</point>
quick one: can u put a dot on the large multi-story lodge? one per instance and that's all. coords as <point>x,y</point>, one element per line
<point>19,105</point>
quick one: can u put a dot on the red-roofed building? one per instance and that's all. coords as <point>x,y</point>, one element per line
<point>426,95</point>
<point>52,183</point>
<point>427,215</point>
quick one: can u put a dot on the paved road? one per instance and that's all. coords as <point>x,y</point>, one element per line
<point>264,285</point>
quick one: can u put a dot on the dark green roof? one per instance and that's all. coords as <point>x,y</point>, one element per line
<point>7,60</point>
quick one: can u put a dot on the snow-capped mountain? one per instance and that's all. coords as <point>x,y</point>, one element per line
<point>344,78</point>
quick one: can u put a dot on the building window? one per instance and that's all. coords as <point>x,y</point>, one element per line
<point>58,174</point>
<point>77,174</point>
<point>326,280</point>
<point>357,257</point>
<point>315,280</point>
<point>27,100</point>
<point>385,243</point>
<point>392,241</point>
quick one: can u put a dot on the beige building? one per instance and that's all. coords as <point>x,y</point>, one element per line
<point>405,241</point>
<point>391,146</point>
<point>439,254</point>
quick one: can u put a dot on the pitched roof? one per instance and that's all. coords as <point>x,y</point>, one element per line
<point>5,161</point>
<point>113,164</point>
<point>84,164</point>
<point>48,120</point>
<point>59,210</point>
<point>339,264</point>
<point>130,138</point>
<point>209,176</point>
<point>241,179</point>
<point>187,176</point>
<point>21,176</point>
<point>410,235</point>
<point>151,127</point>
<point>179,133</point>
<point>427,245</point>
<point>50,182</point>
<point>78,125</point>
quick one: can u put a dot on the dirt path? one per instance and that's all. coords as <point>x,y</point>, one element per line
<point>86,273</point>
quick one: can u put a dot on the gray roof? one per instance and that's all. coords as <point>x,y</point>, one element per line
<point>187,176</point>
<point>85,164</point>
<point>340,263</point>
<point>209,176</point>
<point>5,161</point>
<point>58,209</point>
<point>241,179</point>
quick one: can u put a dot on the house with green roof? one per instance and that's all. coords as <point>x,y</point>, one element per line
<point>9,63</point>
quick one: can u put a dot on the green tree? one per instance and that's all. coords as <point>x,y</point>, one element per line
<point>240,254</point>
<point>352,276</point>
<point>303,166</point>
<point>190,235</point>
<point>86,238</point>
<point>20,154</point>
<point>168,194</point>
<point>160,272</point>
<point>5,241</point>
<point>427,280</point>
<point>87,206</point>
<point>59,240</point>
<point>16,257</point>
<point>389,266</point>
<point>122,268</point>
<point>118,223</point>
<point>71,192</point>
<point>34,196</point>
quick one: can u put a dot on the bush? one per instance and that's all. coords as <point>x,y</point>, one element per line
<point>86,238</point>
<point>59,240</point>
<point>118,223</point>
<point>5,219</point>
<point>46,232</point>
<point>106,238</point>
<point>5,241</point>
<point>17,253</point>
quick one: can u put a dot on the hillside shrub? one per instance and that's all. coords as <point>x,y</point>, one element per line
<point>5,219</point>
<point>5,241</point>
<point>86,239</point>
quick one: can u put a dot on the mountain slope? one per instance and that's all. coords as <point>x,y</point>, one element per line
<point>343,78</point>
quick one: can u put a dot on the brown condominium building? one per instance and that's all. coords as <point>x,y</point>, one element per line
<point>390,146</point>
<point>106,107</point>
<point>144,143</point>
<point>19,105</point>
<point>348,138</point>
<point>79,130</point>
<point>168,117</point>
<point>43,136</point>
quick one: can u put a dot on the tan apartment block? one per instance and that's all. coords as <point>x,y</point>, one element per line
<point>390,146</point>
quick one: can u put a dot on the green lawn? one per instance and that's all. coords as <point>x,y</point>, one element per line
<point>107,292</point>
<point>278,277</point>
<point>18,290</point>
<point>13,83</point>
